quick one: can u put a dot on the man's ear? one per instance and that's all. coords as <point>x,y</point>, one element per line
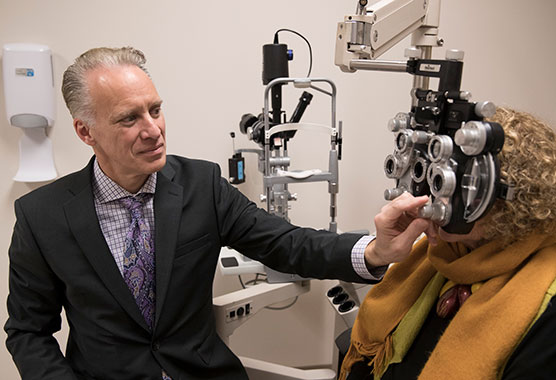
<point>83,132</point>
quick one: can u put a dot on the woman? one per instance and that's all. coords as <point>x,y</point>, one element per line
<point>474,306</point>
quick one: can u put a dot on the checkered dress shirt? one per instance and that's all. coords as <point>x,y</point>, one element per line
<point>112,215</point>
<point>358,260</point>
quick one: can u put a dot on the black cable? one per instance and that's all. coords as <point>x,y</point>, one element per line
<point>308,44</point>
<point>283,307</point>
<point>255,281</point>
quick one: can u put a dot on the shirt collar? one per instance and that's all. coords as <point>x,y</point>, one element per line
<point>106,190</point>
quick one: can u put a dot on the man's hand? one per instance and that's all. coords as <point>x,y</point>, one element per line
<point>397,228</point>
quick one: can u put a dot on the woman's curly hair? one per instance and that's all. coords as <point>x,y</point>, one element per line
<point>528,162</point>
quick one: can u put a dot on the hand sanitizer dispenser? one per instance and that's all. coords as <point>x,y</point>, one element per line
<point>30,105</point>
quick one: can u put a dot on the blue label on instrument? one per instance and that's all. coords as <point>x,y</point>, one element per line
<point>240,170</point>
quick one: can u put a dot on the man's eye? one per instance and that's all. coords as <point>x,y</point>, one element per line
<point>128,119</point>
<point>155,112</point>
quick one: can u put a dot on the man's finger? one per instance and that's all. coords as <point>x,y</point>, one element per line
<point>432,233</point>
<point>414,230</point>
<point>404,203</point>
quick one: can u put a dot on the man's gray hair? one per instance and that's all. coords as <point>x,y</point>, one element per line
<point>74,86</point>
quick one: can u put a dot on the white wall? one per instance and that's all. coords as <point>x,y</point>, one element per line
<point>205,58</point>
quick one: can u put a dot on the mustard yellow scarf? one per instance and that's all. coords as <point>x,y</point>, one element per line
<point>486,329</point>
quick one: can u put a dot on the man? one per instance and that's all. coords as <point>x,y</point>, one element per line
<point>128,246</point>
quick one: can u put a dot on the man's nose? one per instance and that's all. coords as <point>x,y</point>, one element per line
<point>151,129</point>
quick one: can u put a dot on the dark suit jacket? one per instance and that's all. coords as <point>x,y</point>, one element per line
<point>59,258</point>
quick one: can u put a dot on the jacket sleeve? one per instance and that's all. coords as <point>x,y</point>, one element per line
<point>34,307</point>
<point>277,243</point>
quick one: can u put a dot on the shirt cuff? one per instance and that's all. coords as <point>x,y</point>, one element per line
<point>358,261</point>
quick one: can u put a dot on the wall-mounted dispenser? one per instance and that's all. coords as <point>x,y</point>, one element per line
<point>30,105</point>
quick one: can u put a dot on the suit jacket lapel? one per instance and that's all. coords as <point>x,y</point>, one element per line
<point>83,222</point>
<point>168,204</point>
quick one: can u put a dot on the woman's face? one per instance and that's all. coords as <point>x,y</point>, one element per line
<point>472,239</point>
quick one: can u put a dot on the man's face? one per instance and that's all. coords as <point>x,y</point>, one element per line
<point>128,136</point>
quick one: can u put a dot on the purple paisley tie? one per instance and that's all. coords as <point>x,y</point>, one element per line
<point>139,270</point>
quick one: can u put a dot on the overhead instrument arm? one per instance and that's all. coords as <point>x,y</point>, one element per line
<point>375,28</point>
